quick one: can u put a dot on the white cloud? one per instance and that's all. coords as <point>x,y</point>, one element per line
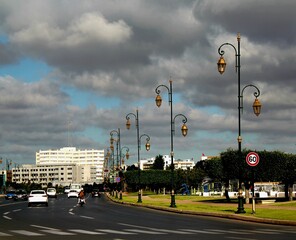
<point>89,28</point>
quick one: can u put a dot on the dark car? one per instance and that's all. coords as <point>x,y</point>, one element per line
<point>95,193</point>
<point>21,195</point>
<point>10,195</point>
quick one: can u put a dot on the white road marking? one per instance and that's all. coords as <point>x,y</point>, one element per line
<point>8,218</point>
<point>17,210</point>
<point>246,231</point>
<point>200,231</point>
<point>57,232</point>
<point>4,234</point>
<point>27,233</point>
<point>86,217</point>
<point>143,231</point>
<point>43,227</point>
<point>85,232</point>
<point>155,229</point>
<point>115,231</point>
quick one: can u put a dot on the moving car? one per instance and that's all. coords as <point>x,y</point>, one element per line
<point>21,194</point>
<point>95,193</point>
<point>10,195</point>
<point>73,194</point>
<point>38,196</point>
<point>51,192</point>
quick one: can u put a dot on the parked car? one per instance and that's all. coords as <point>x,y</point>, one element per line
<point>10,195</point>
<point>95,193</point>
<point>73,194</point>
<point>38,196</point>
<point>51,192</point>
<point>21,194</point>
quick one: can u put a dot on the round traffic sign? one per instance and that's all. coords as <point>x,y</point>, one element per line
<point>252,159</point>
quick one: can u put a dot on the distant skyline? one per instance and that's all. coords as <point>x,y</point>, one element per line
<point>91,63</point>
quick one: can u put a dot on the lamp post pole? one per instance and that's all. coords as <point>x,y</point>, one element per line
<point>184,130</point>
<point>128,124</point>
<point>120,170</point>
<point>117,147</point>
<point>256,105</point>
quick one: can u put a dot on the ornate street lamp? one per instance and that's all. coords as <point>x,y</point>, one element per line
<point>184,130</point>
<point>128,124</point>
<point>256,105</point>
<point>126,155</point>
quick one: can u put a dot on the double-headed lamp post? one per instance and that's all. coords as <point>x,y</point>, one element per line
<point>256,105</point>
<point>184,130</point>
<point>147,145</point>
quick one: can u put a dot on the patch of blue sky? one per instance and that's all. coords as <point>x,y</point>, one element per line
<point>84,99</point>
<point>27,70</point>
<point>4,39</point>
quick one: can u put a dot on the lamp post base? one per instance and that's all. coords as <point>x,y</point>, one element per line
<point>139,197</point>
<point>240,208</point>
<point>173,201</point>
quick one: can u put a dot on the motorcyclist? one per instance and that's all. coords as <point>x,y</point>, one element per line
<point>81,196</point>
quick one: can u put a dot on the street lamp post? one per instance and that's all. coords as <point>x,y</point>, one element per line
<point>128,125</point>
<point>117,147</point>
<point>120,170</point>
<point>256,105</point>
<point>184,130</point>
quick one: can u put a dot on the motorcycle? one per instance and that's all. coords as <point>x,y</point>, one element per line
<point>81,201</point>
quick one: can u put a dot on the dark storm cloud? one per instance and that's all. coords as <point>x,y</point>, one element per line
<point>262,21</point>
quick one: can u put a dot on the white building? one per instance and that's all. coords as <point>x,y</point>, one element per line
<point>62,167</point>
<point>71,155</point>
<point>179,164</point>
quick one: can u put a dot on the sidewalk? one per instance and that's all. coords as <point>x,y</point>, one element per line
<point>233,206</point>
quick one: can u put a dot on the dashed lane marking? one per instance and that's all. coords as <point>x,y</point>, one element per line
<point>143,231</point>
<point>27,233</point>
<point>85,232</point>
<point>115,231</point>
<point>200,231</point>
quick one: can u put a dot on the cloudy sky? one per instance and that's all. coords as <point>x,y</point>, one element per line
<point>71,70</point>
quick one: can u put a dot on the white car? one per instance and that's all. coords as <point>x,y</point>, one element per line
<point>37,196</point>
<point>73,194</point>
<point>51,192</point>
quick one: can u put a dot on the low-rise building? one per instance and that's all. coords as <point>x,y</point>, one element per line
<point>146,164</point>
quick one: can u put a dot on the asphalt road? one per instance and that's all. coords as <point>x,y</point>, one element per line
<point>102,219</point>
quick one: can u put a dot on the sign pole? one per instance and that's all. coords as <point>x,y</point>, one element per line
<point>252,160</point>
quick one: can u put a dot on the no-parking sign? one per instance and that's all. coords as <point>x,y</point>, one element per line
<point>252,159</point>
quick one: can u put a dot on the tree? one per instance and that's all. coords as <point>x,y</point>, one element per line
<point>158,163</point>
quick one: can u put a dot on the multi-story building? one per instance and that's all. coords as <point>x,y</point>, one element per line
<point>63,167</point>
<point>71,155</point>
<point>63,174</point>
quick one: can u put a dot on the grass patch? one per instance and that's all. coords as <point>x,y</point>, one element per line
<point>277,211</point>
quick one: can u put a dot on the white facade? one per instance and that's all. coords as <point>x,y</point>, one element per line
<point>56,174</point>
<point>179,164</point>
<point>62,167</point>
<point>71,155</point>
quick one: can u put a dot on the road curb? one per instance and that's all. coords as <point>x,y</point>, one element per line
<point>208,214</point>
